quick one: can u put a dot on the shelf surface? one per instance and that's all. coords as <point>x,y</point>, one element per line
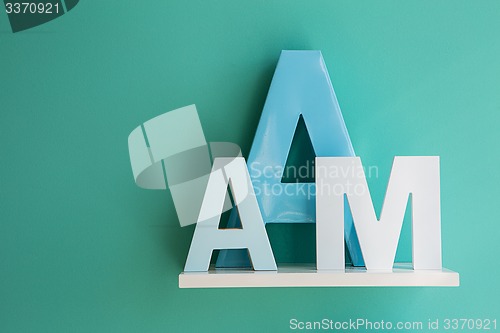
<point>306,275</point>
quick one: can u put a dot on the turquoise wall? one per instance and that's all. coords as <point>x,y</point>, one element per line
<point>83,249</point>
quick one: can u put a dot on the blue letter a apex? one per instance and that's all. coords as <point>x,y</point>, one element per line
<point>301,86</point>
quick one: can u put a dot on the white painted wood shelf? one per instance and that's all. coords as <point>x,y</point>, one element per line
<point>306,275</point>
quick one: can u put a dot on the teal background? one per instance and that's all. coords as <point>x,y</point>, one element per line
<point>83,249</point>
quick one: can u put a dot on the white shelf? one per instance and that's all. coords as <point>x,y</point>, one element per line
<point>304,275</point>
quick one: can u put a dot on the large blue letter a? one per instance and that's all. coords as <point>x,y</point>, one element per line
<point>301,86</point>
